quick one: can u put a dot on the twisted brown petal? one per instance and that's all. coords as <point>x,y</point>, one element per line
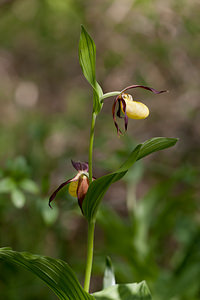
<point>113,113</point>
<point>125,114</point>
<point>75,178</point>
<point>143,87</point>
<point>119,110</point>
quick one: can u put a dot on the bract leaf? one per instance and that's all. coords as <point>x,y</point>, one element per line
<point>130,291</point>
<point>97,94</point>
<point>57,275</point>
<point>87,59</point>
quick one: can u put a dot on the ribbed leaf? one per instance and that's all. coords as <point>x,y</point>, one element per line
<point>131,291</point>
<point>87,56</point>
<point>156,144</point>
<point>87,59</point>
<point>98,188</point>
<point>55,273</point>
<point>109,275</point>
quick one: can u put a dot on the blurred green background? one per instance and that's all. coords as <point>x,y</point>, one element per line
<point>148,223</point>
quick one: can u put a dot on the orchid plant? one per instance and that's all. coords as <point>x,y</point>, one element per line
<point>89,192</point>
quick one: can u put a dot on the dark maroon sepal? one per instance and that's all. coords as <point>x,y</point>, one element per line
<point>119,110</point>
<point>125,114</point>
<point>80,166</point>
<point>143,87</point>
<point>59,188</point>
<point>113,113</point>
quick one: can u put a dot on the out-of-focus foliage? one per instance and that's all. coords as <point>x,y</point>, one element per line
<point>153,233</point>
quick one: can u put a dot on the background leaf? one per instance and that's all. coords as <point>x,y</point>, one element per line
<point>98,188</point>
<point>55,273</point>
<point>18,198</point>
<point>131,291</point>
<point>7,185</point>
<point>29,186</point>
<point>109,275</point>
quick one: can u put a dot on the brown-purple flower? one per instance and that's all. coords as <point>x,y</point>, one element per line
<point>130,108</point>
<point>78,185</point>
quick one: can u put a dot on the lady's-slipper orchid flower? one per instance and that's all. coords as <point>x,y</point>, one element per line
<point>130,108</point>
<point>78,185</point>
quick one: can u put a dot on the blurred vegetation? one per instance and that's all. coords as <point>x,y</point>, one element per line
<point>149,223</point>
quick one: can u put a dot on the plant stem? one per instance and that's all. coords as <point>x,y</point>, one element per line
<point>90,247</point>
<point>91,225</point>
<point>91,145</point>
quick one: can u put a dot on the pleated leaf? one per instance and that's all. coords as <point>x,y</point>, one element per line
<point>57,275</point>
<point>98,188</point>
<point>87,59</point>
<point>87,56</point>
<point>130,291</point>
<point>156,144</point>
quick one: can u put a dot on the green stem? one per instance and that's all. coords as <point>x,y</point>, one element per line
<point>107,95</point>
<point>91,145</point>
<point>90,247</point>
<point>91,225</point>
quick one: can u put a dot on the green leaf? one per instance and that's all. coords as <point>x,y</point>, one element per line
<point>7,185</point>
<point>57,275</point>
<point>87,59</point>
<point>49,215</point>
<point>156,144</point>
<point>131,291</point>
<point>109,275</point>
<point>29,186</point>
<point>18,198</point>
<point>97,94</point>
<point>98,188</point>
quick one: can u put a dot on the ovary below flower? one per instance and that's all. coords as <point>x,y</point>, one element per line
<point>78,185</point>
<point>134,109</point>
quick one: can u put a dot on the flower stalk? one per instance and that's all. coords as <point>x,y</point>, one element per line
<point>110,94</point>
